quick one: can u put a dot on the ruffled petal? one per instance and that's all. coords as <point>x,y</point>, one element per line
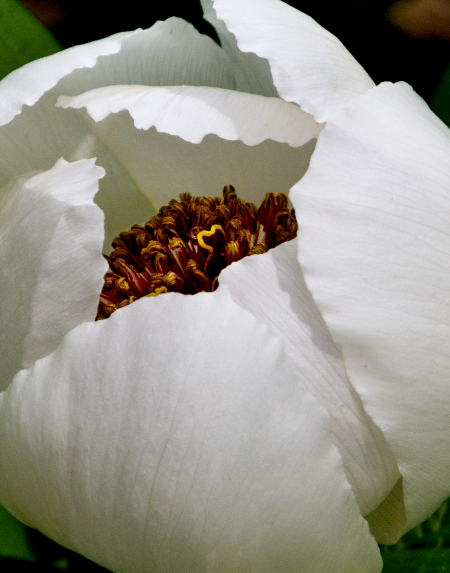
<point>309,65</point>
<point>193,112</point>
<point>374,218</point>
<point>175,437</point>
<point>51,235</point>
<point>271,287</point>
<point>252,73</point>
<point>26,85</point>
<point>170,52</point>
<point>222,137</point>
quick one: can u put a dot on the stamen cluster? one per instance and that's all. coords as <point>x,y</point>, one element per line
<point>186,245</point>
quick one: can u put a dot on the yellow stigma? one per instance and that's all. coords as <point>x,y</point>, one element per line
<point>202,234</point>
<point>202,243</point>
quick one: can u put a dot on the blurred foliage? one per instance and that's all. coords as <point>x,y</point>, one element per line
<point>418,561</point>
<point>440,102</point>
<point>23,549</point>
<point>424,549</point>
<point>22,37</point>
<point>13,538</point>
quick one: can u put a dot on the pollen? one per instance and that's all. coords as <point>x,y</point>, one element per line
<point>186,245</point>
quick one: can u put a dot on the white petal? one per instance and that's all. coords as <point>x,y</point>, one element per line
<point>26,85</point>
<point>261,160</point>
<point>193,112</point>
<point>309,65</point>
<point>272,288</point>
<point>51,234</point>
<point>374,214</point>
<point>251,72</point>
<point>169,52</point>
<point>175,437</point>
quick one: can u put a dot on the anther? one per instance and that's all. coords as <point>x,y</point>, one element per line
<point>184,247</point>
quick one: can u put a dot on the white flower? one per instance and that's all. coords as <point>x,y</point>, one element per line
<point>222,431</point>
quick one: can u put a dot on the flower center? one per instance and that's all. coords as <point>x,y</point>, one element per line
<point>186,245</point>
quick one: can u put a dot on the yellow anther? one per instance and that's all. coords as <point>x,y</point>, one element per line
<point>122,284</point>
<point>157,291</point>
<point>232,251</point>
<point>171,278</point>
<point>259,249</point>
<point>176,243</point>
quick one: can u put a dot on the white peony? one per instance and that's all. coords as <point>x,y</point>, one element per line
<point>245,429</point>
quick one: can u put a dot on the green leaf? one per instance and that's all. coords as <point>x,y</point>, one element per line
<point>13,538</point>
<point>417,561</point>
<point>22,37</point>
<point>440,102</point>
